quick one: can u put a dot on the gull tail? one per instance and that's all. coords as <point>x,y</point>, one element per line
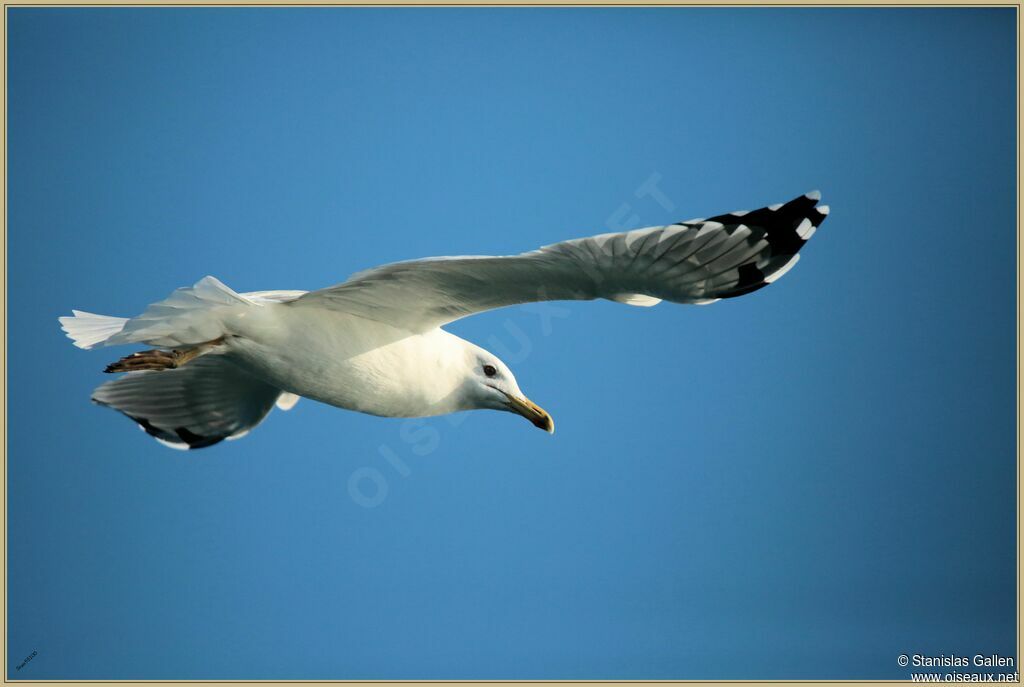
<point>198,405</point>
<point>189,316</point>
<point>87,329</point>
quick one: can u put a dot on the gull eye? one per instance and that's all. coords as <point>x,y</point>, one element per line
<point>489,370</point>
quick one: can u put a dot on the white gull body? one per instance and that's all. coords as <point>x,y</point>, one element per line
<point>375,343</point>
<point>350,361</point>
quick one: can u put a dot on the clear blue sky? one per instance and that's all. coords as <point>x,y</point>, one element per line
<point>802,483</point>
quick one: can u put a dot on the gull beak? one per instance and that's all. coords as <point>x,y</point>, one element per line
<point>532,412</point>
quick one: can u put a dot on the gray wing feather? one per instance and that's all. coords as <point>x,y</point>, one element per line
<point>193,406</point>
<point>695,262</point>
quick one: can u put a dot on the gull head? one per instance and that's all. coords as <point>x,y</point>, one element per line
<point>489,384</point>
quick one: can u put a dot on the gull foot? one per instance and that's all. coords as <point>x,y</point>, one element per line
<point>152,360</point>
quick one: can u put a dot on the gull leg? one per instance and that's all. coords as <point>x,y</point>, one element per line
<point>162,360</point>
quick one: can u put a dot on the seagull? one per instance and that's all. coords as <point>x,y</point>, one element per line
<point>375,344</point>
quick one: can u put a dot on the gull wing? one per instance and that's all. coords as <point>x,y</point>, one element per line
<point>196,405</point>
<point>696,262</point>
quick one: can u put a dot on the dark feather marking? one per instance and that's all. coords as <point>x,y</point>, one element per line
<point>180,435</point>
<point>784,241</point>
<point>744,291</point>
<point>194,440</point>
<point>749,274</point>
<point>753,253</point>
<point>152,430</point>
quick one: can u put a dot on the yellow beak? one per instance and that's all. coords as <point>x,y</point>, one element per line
<point>532,412</point>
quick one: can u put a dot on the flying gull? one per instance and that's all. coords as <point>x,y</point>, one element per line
<point>375,343</point>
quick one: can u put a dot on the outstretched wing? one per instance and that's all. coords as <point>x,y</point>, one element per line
<point>697,261</point>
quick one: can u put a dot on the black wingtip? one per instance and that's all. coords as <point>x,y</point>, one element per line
<point>180,437</point>
<point>786,228</point>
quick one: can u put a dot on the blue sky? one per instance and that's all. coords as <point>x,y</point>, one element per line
<point>802,483</point>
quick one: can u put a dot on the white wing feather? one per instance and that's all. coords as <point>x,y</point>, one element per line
<point>273,296</point>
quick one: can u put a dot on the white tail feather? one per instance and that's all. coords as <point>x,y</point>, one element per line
<point>190,315</point>
<point>87,329</point>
